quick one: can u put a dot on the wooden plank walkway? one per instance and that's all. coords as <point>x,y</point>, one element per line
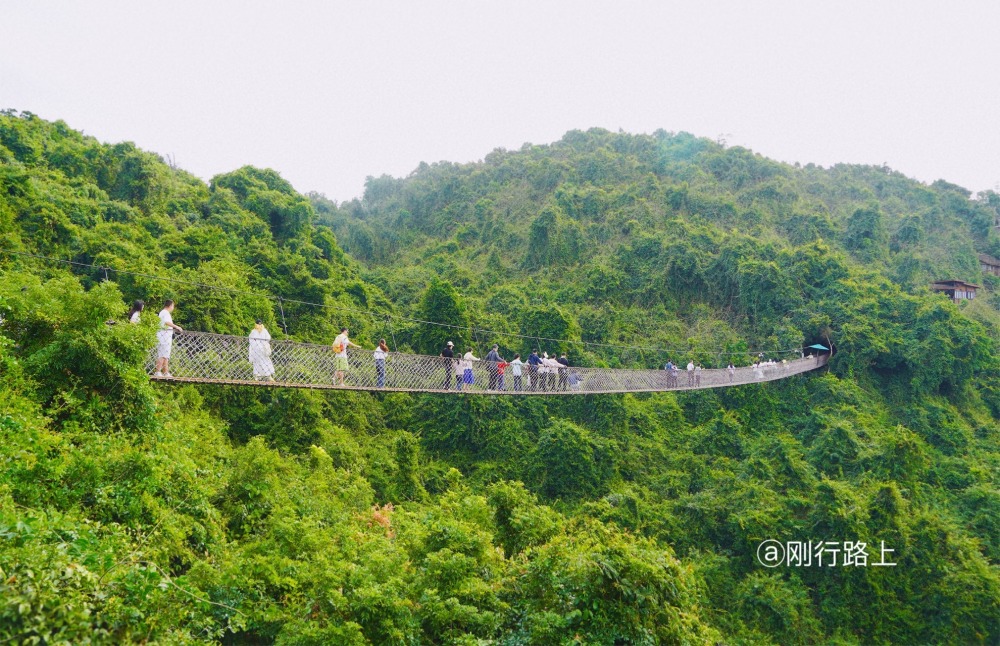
<point>199,357</point>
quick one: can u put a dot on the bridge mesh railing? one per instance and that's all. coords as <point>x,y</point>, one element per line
<point>223,359</point>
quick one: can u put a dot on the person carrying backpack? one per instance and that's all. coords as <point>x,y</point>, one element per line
<point>340,364</point>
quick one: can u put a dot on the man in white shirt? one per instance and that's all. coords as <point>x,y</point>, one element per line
<point>551,368</point>
<point>690,373</point>
<point>165,339</point>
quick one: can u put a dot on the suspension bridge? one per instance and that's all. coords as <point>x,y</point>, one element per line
<point>200,357</point>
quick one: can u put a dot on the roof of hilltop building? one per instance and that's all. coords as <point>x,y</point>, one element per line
<point>952,283</point>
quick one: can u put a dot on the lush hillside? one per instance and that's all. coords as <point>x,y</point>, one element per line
<point>721,244</point>
<point>139,512</point>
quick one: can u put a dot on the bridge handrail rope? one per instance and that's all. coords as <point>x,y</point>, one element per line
<point>204,357</point>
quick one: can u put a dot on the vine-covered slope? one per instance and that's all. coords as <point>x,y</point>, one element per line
<point>139,512</point>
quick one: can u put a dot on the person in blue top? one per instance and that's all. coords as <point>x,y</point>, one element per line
<point>533,362</point>
<point>670,373</point>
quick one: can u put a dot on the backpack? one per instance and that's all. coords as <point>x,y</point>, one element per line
<point>338,348</point>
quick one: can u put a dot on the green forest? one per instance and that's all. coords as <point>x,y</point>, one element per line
<point>134,511</point>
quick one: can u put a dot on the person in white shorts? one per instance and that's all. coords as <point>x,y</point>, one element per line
<point>165,339</point>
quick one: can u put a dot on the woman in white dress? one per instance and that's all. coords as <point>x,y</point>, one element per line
<point>260,352</point>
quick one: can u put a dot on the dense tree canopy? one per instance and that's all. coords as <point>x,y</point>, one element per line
<point>134,511</point>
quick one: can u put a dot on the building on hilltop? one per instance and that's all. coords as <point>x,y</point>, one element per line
<point>989,264</point>
<point>956,290</point>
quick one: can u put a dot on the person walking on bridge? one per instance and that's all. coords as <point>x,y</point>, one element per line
<point>534,361</point>
<point>551,367</point>
<point>448,362</point>
<point>459,371</point>
<point>563,371</point>
<point>340,364</point>
<point>690,373</point>
<point>515,371</point>
<point>381,352</point>
<point>494,358</point>
<point>259,353</point>
<point>542,371</point>
<point>468,379</point>
<point>165,339</point>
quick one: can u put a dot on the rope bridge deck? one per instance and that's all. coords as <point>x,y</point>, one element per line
<point>201,357</point>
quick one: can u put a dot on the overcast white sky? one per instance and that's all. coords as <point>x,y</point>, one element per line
<point>328,93</point>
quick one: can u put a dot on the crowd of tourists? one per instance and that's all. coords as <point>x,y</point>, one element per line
<point>539,373</point>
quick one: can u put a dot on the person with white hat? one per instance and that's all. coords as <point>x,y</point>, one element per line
<point>468,377</point>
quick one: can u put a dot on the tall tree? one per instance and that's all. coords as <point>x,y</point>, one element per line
<point>441,303</point>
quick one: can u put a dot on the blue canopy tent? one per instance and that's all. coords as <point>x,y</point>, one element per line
<point>817,346</point>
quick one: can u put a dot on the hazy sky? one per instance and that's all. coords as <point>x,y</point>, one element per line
<point>328,93</point>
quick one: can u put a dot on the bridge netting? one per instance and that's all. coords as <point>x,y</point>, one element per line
<point>223,359</point>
